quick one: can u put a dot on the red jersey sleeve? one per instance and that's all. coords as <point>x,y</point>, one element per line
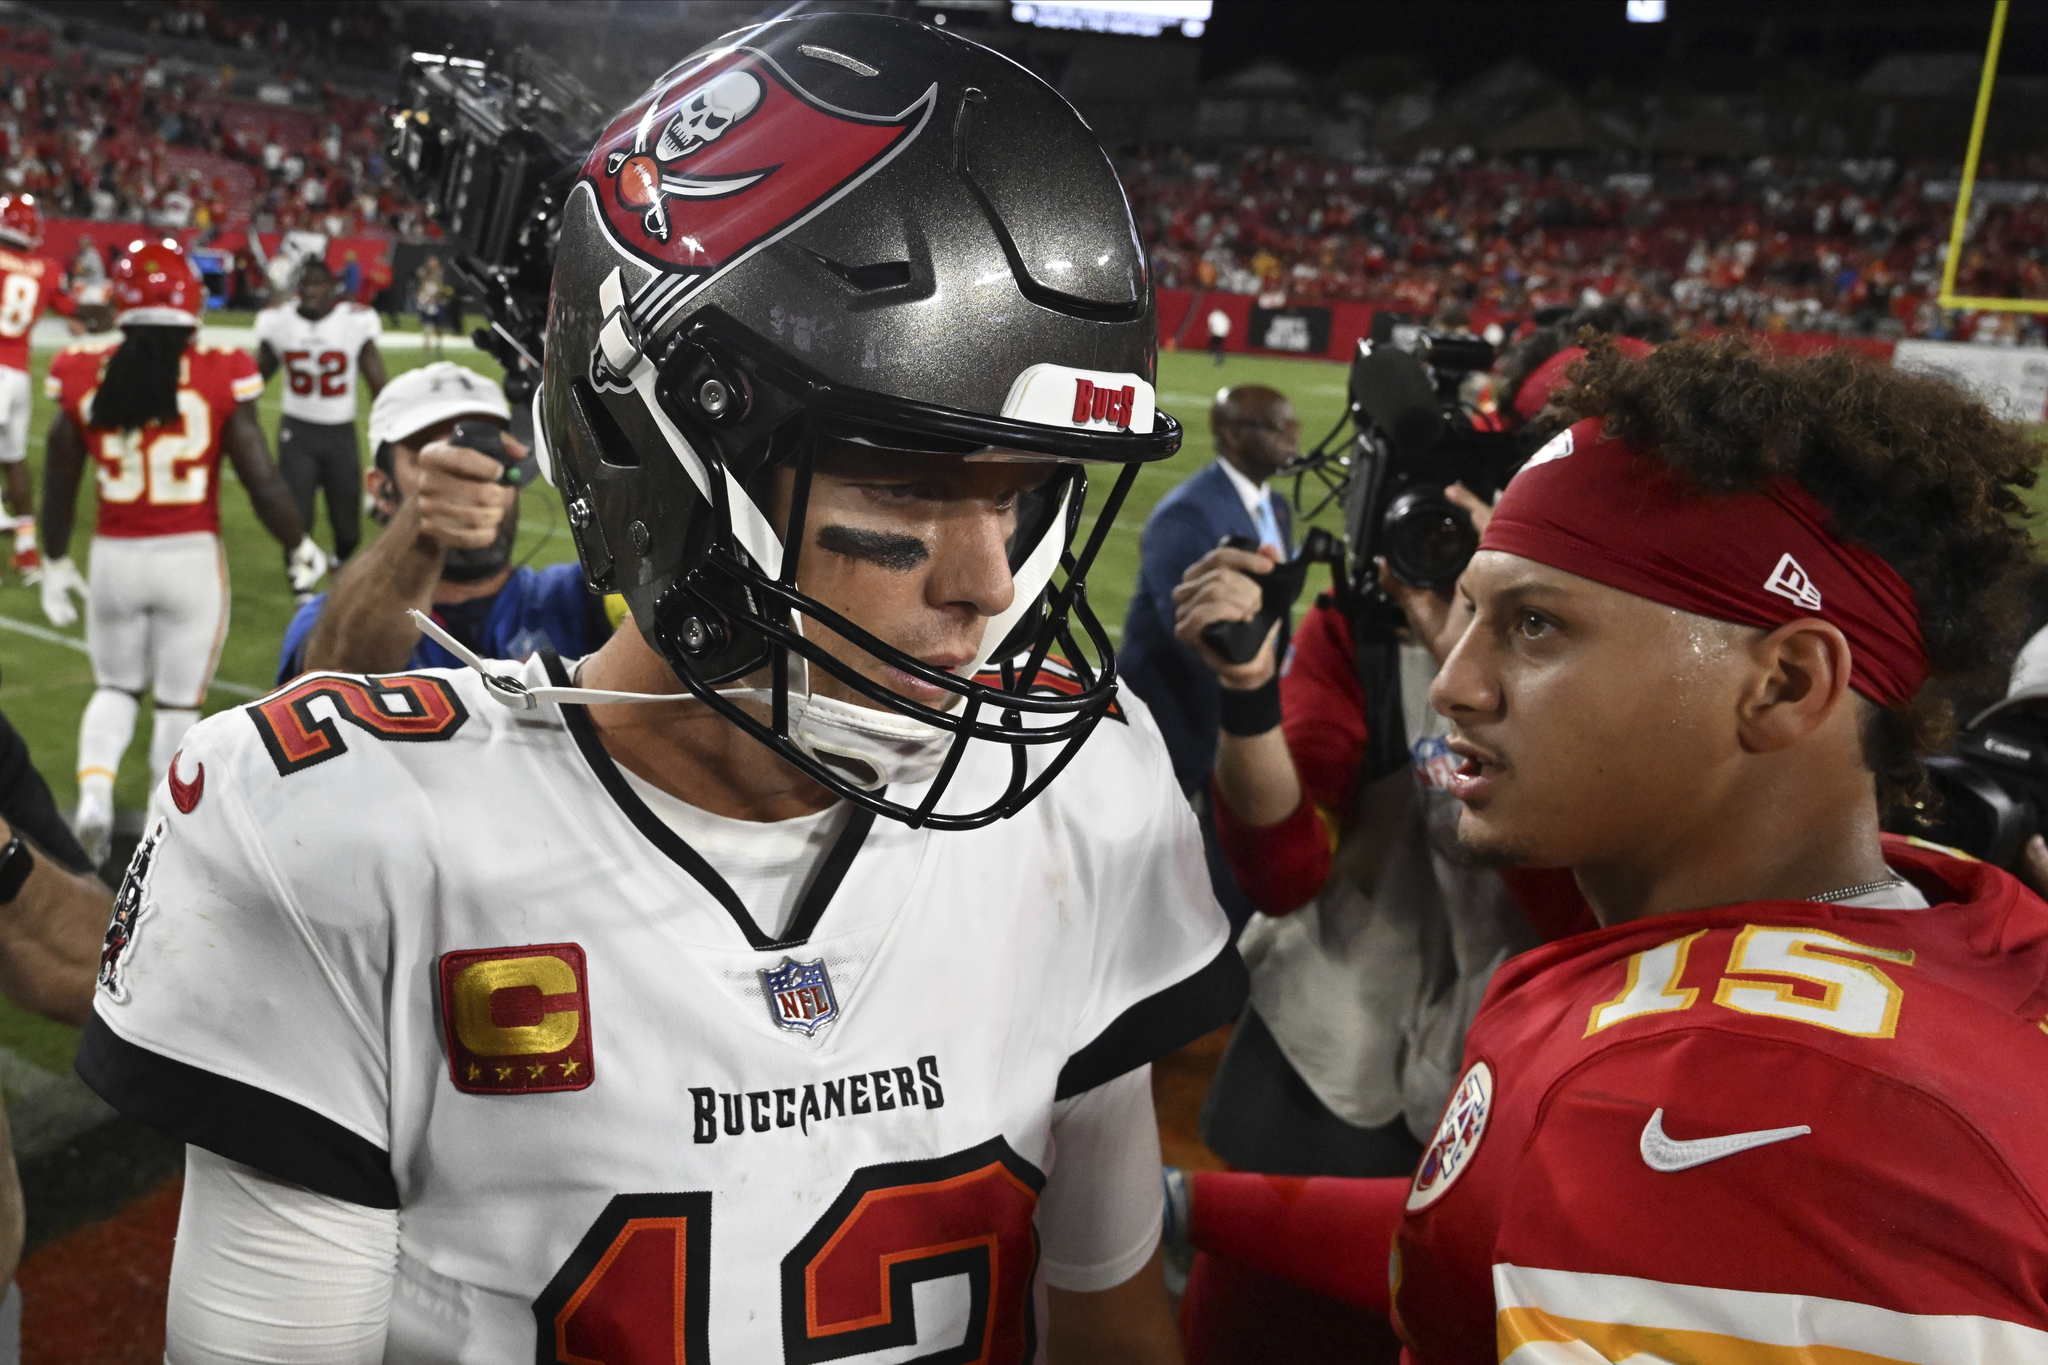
<point>1322,707</point>
<point>74,372</point>
<point>1326,1233</point>
<point>1739,1194</point>
<point>231,378</point>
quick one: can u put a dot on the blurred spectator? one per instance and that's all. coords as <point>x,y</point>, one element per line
<point>450,525</point>
<point>431,296</point>
<point>1256,433</point>
<point>1219,333</point>
<point>1776,245</point>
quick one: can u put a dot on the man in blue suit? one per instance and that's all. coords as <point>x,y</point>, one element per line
<point>1256,432</point>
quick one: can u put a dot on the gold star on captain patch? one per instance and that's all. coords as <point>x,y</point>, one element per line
<point>474,1071</point>
<point>537,1070</point>
<point>504,1073</point>
<point>569,1068</point>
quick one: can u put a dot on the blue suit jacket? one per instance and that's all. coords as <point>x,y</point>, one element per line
<point>1178,686</point>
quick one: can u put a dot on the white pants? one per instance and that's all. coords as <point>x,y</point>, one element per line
<point>15,402</point>
<point>158,614</point>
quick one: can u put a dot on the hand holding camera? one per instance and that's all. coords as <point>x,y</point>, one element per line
<point>467,480</point>
<point>1221,606</point>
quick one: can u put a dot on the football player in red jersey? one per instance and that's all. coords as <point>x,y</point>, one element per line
<point>28,284</point>
<point>1784,1103</point>
<point>153,414</point>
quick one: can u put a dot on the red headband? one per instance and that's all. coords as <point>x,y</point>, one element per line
<point>1599,509</point>
<point>1547,378</point>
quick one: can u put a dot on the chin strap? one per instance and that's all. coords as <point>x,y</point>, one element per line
<point>510,691</point>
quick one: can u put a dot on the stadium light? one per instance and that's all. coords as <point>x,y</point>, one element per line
<point>1145,18</point>
<point>1646,11</point>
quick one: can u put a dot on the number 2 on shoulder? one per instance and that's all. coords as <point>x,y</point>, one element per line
<point>1855,997</point>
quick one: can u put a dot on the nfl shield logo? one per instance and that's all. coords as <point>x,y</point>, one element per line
<point>800,996</point>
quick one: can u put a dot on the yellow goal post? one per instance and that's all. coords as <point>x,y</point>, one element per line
<point>1949,298</point>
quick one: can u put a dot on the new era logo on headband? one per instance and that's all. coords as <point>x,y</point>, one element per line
<point>1790,582</point>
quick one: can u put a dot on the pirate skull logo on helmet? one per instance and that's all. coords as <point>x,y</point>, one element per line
<point>707,115</point>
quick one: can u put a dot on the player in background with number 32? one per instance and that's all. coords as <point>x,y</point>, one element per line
<point>153,415</point>
<point>320,345</point>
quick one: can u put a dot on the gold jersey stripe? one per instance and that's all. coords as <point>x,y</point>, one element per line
<point>1527,1336</point>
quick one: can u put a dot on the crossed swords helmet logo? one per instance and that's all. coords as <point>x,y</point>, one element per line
<point>645,181</point>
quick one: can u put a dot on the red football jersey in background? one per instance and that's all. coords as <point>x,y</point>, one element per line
<point>27,283</point>
<point>165,479</point>
<point>1623,1164</point>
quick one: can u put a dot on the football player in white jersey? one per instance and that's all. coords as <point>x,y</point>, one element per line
<point>322,344</point>
<point>780,982</point>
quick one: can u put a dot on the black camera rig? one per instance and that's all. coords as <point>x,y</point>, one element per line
<point>491,153</point>
<point>1405,437</point>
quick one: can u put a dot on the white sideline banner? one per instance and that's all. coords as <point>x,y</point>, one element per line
<point>2014,381</point>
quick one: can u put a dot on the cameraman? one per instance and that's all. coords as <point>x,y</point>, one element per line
<point>450,523</point>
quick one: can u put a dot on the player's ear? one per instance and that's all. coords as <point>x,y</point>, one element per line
<point>1800,679</point>
<point>383,492</point>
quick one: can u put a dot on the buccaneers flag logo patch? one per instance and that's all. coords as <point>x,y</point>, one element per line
<point>729,153</point>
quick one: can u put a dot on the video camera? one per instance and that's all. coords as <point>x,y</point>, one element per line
<point>1411,437</point>
<point>1992,792</point>
<point>491,154</point>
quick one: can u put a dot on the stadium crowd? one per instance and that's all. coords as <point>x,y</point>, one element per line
<point>175,151</point>
<point>1777,245</point>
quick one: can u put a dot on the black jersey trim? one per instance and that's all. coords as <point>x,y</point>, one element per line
<point>824,882</point>
<point>1158,1024</point>
<point>234,1119</point>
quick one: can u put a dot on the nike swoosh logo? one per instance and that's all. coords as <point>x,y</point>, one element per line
<point>1669,1154</point>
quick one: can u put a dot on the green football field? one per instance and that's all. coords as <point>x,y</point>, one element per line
<point>45,677</point>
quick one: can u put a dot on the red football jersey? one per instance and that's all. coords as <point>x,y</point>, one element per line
<point>1773,1131</point>
<point>26,284</point>
<point>165,479</point>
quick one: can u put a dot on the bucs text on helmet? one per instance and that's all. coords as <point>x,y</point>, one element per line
<point>856,228</point>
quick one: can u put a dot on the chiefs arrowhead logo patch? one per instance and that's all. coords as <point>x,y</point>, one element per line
<point>185,795</point>
<point>727,154</point>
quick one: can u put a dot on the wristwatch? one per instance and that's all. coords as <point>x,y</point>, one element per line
<point>16,862</point>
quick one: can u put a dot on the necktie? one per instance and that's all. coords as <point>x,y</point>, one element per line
<point>1269,524</point>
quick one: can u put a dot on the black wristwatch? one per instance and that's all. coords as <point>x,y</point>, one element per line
<point>16,862</point>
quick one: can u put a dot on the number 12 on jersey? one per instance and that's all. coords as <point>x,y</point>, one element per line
<point>926,1255</point>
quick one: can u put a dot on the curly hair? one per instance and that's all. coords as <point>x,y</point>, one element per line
<point>1910,465</point>
<point>1521,359</point>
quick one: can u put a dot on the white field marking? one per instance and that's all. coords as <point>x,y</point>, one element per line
<point>48,636</point>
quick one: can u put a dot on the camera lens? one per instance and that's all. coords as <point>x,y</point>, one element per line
<point>1427,541</point>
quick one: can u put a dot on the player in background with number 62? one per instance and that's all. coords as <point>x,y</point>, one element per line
<point>153,414</point>
<point>28,284</point>
<point>320,345</point>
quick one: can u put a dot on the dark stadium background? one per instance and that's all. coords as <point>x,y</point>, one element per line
<point>1731,116</point>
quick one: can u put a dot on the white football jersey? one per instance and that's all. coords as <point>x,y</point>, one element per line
<point>319,358</point>
<point>389,940</point>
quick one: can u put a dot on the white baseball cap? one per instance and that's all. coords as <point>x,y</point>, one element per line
<point>431,395</point>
